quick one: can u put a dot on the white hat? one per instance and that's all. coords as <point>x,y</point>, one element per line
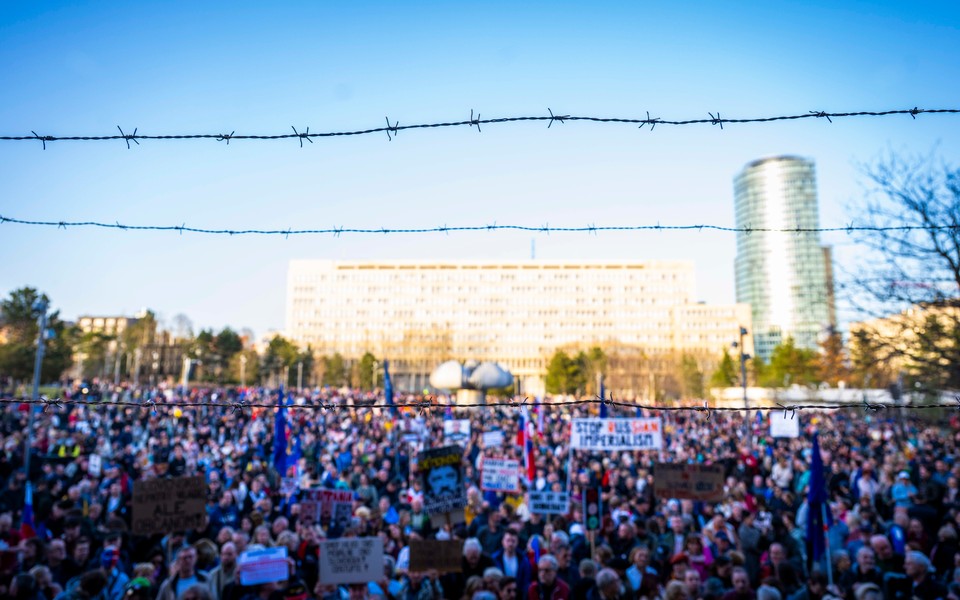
<point>904,475</point>
<point>576,529</point>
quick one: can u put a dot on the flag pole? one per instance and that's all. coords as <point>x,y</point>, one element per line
<point>826,544</point>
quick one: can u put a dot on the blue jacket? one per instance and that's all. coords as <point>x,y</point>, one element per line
<point>524,571</point>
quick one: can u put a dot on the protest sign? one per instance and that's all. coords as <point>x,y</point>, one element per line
<point>492,439</point>
<point>500,475</point>
<point>549,503</point>
<point>616,434</point>
<point>95,465</point>
<point>442,555</point>
<point>166,505</point>
<point>456,430</point>
<point>690,482</point>
<point>351,560</point>
<point>328,507</point>
<point>289,485</point>
<point>781,427</point>
<point>263,566</point>
<point>442,479</point>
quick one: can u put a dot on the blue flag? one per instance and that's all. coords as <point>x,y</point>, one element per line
<point>603,396</point>
<point>280,436</point>
<point>388,388</point>
<point>818,513</point>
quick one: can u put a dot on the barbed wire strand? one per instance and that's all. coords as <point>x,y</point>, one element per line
<point>236,405</point>
<point>593,229</point>
<point>474,121</point>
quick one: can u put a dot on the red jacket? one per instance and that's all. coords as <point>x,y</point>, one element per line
<point>561,591</point>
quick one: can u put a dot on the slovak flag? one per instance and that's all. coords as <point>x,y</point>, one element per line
<point>525,441</point>
<point>26,525</point>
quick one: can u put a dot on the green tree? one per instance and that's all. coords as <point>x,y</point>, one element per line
<point>335,370</point>
<point>790,364</point>
<point>832,361</point>
<point>588,365</point>
<point>228,343</point>
<point>727,374</point>
<point>691,377</point>
<point>870,365</point>
<point>367,371</point>
<point>281,354</point>
<point>305,361</point>
<point>19,319</point>
<point>93,347</point>
<point>558,380</point>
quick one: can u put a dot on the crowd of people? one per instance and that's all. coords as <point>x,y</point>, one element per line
<point>891,480</point>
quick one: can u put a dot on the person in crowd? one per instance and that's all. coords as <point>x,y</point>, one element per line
<point>183,575</point>
<point>548,586</point>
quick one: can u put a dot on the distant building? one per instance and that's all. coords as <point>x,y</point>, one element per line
<point>419,314</point>
<point>784,276</point>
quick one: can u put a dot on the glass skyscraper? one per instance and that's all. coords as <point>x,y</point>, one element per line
<point>783,276</point>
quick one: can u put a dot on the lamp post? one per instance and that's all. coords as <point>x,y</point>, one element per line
<point>299,376</point>
<point>243,370</point>
<point>41,306</point>
<point>744,357</point>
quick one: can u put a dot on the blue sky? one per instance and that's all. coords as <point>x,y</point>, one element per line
<point>74,68</point>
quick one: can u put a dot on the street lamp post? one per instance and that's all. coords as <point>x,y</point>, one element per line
<point>744,357</point>
<point>243,370</point>
<point>299,375</point>
<point>39,305</point>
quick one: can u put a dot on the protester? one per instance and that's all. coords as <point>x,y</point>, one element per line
<point>890,480</point>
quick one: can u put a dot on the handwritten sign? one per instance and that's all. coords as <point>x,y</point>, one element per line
<point>500,475</point>
<point>263,566</point>
<point>492,439</point>
<point>442,479</point>
<point>95,465</point>
<point>692,482</point>
<point>442,555</point>
<point>617,434</point>
<point>166,505</point>
<point>328,507</point>
<point>549,503</point>
<point>351,560</point>
<point>781,427</point>
<point>456,430</point>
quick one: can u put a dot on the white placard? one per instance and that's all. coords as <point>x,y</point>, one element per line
<point>456,430</point>
<point>500,475</point>
<point>95,465</point>
<point>549,503</point>
<point>617,434</point>
<point>351,560</point>
<point>263,566</point>
<point>492,439</point>
<point>781,427</point>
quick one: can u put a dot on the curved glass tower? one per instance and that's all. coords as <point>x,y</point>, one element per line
<point>782,276</point>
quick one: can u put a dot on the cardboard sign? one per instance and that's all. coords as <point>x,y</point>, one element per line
<point>549,503</point>
<point>443,555</point>
<point>456,430</point>
<point>781,427</point>
<point>616,434</point>
<point>492,439</point>
<point>441,475</point>
<point>95,465</point>
<point>328,507</point>
<point>691,482</point>
<point>166,505</point>
<point>351,560</point>
<point>263,566</point>
<point>500,475</point>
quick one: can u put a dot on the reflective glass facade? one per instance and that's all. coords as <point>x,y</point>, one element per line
<point>782,276</point>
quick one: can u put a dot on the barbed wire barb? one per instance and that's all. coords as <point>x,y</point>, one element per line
<point>475,122</point>
<point>391,128</point>
<point>129,138</point>
<point>558,118</point>
<point>303,136</point>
